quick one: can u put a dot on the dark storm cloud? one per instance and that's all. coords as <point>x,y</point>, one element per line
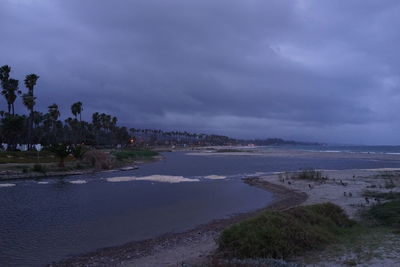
<point>311,70</point>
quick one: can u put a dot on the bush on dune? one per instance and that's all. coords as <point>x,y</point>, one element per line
<point>283,234</point>
<point>387,214</point>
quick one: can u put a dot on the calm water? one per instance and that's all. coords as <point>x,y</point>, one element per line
<point>41,223</point>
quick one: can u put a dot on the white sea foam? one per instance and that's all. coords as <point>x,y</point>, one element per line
<point>215,177</point>
<point>153,178</point>
<point>42,182</point>
<point>78,182</point>
<point>6,185</point>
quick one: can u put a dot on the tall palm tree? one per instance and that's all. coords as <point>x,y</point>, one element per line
<point>12,93</point>
<point>5,72</point>
<point>9,88</point>
<point>30,81</point>
<point>77,109</point>
<point>4,80</point>
<point>29,102</point>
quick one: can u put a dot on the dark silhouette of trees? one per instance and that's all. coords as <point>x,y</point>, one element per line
<point>10,88</point>
<point>77,109</point>
<point>29,102</point>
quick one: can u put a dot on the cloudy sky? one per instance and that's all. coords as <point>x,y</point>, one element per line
<point>315,70</point>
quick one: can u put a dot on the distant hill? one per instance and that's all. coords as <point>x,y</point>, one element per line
<point>159,137</point>
<point>279,142</point>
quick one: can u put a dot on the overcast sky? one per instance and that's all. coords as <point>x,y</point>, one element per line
<point>315,70</point>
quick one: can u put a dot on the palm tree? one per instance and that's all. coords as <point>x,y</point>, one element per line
<point>77,109</point>
<point>96,121</point>
<point>30,81</point>
<point>10,88</point>
<point>4,79</point>
<point>54,114</point>
<point>62,151</point>
<point>5,72</point>
<point>29,102</point>
<point>11,94</point>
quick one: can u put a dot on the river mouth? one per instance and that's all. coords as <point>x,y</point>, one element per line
<point>56,219</point>
<point>53,219</point>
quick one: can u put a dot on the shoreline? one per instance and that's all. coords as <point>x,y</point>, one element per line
<point>210,151</point>
<point>39,176</point>
<point>200,240</point>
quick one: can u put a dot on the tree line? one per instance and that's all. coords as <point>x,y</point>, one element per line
<point>47,129</point>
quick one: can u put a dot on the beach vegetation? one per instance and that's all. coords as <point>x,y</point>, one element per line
<point>309,174</point>
<point>280,235</point>
<point>129,154</point>
<point>385,214</point>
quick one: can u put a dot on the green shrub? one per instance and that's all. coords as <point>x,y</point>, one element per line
<point>282,234</point>
<point>327,214</point>
<point>126,154</point>
<point>387,214</point>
